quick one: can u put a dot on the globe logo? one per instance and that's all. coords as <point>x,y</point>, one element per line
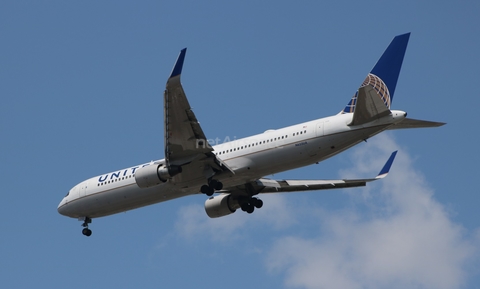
<point>378,85</point>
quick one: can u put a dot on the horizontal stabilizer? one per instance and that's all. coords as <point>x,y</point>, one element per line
<point>415,123</point>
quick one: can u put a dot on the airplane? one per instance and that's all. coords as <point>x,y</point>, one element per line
<point>235,171</point>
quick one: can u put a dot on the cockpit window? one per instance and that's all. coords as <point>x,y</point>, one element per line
<point>67,194</point>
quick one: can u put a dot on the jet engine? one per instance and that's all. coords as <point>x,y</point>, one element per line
<point>155,174</point>
<point>221,205</point>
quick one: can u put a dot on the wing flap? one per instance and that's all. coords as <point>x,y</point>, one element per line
<point>314,185</point>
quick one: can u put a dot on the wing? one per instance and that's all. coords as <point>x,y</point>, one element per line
<point>264,185</point>
<point>186,145</point>
<point>184,138</point>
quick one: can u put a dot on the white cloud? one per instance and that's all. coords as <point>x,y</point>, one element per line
<point>403,239</point>
<point>394,234</point>
<point>193,222</point>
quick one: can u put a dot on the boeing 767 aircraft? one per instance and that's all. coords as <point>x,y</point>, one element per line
<point>236,170</point>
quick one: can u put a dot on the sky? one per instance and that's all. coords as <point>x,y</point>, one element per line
<point>81,84</point>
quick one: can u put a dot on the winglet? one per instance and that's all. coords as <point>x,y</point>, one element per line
<point>386,168</point>
<point>177,69</point>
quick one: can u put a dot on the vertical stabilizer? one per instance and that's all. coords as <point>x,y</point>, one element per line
<point>384,75</point>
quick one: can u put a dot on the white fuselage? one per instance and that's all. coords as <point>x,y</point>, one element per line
<point>250,158</point>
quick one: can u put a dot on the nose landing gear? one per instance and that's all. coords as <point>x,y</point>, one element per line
<point>86,231</point>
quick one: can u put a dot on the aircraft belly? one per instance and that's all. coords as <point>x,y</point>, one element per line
<point>108,202</point>
<point>338,142</point>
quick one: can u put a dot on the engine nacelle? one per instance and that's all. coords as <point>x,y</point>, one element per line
<point>155,174</point>
<point>220,206</point>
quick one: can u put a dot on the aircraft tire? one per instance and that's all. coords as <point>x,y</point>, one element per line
<point>218,186</point>
<point>257,203</point>
<point>207,190</point>
<point>87,232</point>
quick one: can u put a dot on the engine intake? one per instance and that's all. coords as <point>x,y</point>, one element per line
<point>155,174</point>
<point>221,205</point>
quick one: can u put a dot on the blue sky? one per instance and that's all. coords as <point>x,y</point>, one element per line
<point>81,84</point>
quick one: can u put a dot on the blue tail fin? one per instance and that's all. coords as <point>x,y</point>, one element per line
<point>384,75</point>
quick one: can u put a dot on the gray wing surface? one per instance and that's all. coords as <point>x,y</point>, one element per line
<point>415,123</point>
<point>185,142</point>
<point>264,185</point>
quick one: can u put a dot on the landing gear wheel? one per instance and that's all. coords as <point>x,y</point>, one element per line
<point>244,207</point>
<point>216,185</point>
<point>247,207</point>
<point>207,190</point>
<point>257,203</point>
<point>213,185</point>
<point>86,231</point>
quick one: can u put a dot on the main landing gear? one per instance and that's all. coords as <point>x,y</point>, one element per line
<point>213,185</point>
<point>250,205</point>
<point>86,231</point>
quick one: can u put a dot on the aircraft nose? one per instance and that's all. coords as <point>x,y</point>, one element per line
<point>62,208</point>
